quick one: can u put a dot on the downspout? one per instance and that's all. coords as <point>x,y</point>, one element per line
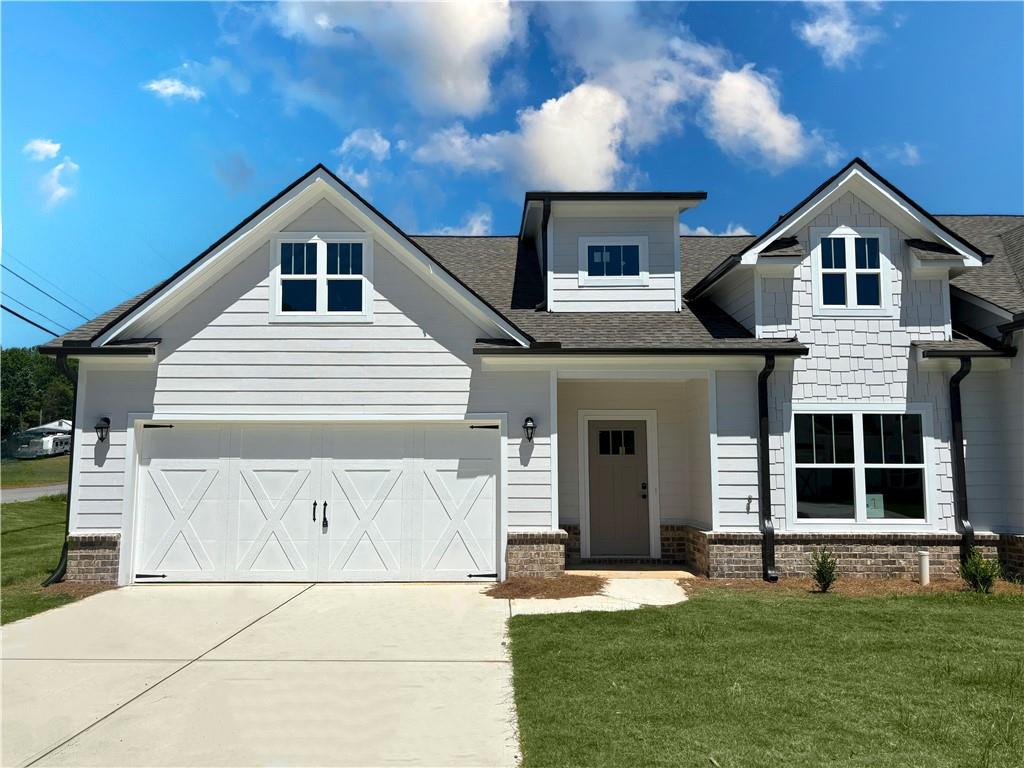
<point>764,502</point>
<point>963,522</point>
<point>62,566</point>
<point>544,250</point>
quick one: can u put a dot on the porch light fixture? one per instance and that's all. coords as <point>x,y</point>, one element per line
<point>529,427</point>
<point>103,429</point>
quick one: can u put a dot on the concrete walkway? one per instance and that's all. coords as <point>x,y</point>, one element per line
<point>622,592</point>
<point>8,495</point>
<point>289,674</point>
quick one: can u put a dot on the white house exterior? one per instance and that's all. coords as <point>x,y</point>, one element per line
<point>319,396</point>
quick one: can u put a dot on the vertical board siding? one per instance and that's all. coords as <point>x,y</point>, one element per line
<point>221,357</point>
<point>663,255</point>
<point>859,359</point>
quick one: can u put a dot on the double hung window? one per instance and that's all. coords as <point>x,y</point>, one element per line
<point>321,278</point>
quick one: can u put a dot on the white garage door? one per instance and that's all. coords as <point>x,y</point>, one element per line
<point>303,503</point>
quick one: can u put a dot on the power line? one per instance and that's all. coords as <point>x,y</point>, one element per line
<point>35,311</point>
<point>49,282</point>
<point>30,322</point>
<point>4,266</point>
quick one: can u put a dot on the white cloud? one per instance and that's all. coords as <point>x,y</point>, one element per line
<point>729,231</point>
<point>904,154</point>
<point>744,117</point>
<point>56,183</point>
<point>354,177</point>
<point>571,142</point>
<point>833,30</point>
<point>477,223</point>
<point>443,51</point>
<point>169,88</point>
<point>368,141</point>
<point>628,97</point>
<point>41,149</point>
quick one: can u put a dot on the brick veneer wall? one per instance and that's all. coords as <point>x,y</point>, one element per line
<point>1011,555</point>
<point>93,557</point>
<point>680,545</point>
<point>535,553</point>
<point>869,555</point>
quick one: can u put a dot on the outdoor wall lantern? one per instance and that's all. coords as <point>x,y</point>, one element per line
<point>529,427</point>
<point>103,429</point>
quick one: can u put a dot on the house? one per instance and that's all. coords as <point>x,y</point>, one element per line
<point>320,396</point>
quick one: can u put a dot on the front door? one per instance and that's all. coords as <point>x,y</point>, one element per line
<point>617,462</point>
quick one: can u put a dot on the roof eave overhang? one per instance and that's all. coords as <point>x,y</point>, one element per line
<point>789,351</point>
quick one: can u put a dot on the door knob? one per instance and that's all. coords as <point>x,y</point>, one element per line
<point>323,524</point>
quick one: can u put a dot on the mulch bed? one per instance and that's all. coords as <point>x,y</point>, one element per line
<point>851,587</point>
<point>523,587</point>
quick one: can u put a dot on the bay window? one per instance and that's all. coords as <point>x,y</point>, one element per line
<point>321,278</point>
<point>863,467</point>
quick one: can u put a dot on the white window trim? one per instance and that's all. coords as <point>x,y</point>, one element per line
<point>321,315</point>
<point>887,309</point>
<point>642,279</point>
<point>861,522</point>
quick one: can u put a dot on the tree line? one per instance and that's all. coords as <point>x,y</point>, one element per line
<point>33,390</point>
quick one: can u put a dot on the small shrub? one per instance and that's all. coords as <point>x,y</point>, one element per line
<point>979,572</point>
<point>824,567</point>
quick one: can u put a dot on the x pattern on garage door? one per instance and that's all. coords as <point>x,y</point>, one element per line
<point>333,503</point>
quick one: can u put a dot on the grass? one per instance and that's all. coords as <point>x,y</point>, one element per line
<point>31,537</point>
<point>761,678</point>
<point>17,473</point>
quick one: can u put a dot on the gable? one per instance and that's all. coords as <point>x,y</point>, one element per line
<point>317,198</point>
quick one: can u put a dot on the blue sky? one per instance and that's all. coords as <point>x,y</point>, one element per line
<point>134,135</point>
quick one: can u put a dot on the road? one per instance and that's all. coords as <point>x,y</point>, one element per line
<point>32,492</point>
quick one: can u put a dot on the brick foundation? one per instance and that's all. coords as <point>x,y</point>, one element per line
<point>536,553</point>
<point>1011,556</point>
<point>860,555</point>
<point>93,557</point>
<point>680,545</point>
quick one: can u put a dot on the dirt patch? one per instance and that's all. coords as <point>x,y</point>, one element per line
<point>548,589</point>
<point>75,589</point>
<point>848,587</point>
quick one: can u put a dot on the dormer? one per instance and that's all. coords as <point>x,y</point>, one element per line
<point>856,248</point>
<point>608,251</point>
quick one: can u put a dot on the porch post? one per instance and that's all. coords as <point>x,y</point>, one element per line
<point>768,571</point>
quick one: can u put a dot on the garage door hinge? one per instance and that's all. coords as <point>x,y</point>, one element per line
<point>158,426</point>
<point>483,426</point>
<point>150,575</point>
<point>482,575</point>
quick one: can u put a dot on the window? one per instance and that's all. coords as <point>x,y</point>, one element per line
<point>613,261</point>
<point>864,467</point>
<point>849,271</point>
<point>321,278</point>
<point>616,442</point>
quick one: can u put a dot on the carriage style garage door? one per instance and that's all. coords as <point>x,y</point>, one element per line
<point>308,503</point>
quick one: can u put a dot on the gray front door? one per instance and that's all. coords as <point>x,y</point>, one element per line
<point>619,521</point>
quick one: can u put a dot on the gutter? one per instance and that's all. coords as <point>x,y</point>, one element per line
<point>960,514</point>
<point>764,501</point>
<point>555,349</point>
<point>62,564</point>
<point>712,277</point>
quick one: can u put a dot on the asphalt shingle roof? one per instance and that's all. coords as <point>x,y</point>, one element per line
<point>1001,281</point>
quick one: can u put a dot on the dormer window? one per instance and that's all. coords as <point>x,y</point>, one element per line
<point>620,261</point>
<point>319,278</point>
<point>850,271</point>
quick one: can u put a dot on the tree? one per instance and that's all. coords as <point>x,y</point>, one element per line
<point>32,388</point>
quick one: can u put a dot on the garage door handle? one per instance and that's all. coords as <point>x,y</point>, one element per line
<point>324,523</point>
<point>314,511</point>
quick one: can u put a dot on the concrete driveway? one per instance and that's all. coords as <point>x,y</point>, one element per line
<point>231,674</point>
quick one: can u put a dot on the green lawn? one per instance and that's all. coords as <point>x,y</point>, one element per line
<point>31,536</point>
<point>736,678</point>
<point>18,473</point>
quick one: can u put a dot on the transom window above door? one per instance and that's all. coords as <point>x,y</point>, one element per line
<point>613,260</point>
<point>850,271</point>
<point>319,278</point>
